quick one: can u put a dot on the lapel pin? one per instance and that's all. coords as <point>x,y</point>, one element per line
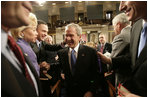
<point>26,54</point>
<point>83,54</point>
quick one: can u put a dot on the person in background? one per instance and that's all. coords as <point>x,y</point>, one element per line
<point>51,57</point>
<point>120,44</point>
<point>104,47</point>
<point>136,84</point>
<point>90,44</point>
<point>18,77</point>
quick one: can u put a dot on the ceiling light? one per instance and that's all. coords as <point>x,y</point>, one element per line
<point>66,2</point>
<point>53,3</point>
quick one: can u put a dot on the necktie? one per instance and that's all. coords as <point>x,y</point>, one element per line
<point>18,53</point>
<point>73,60</point>
<point>143,39</point>
<point>102,47</point>
<point>39,45</point>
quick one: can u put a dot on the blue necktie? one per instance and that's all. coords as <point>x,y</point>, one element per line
<point>143,39</point>
<point>73,60</point>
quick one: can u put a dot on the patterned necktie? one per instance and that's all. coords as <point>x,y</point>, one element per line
<point>143,39</point>
<point>18,53</point>
<point>73,60</point>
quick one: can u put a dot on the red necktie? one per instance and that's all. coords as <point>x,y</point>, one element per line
<point>18,53</point>
<point>102,47</point>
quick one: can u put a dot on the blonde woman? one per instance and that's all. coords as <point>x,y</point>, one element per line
<point>26,34</point>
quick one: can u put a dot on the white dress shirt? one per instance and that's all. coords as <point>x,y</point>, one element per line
<point>76,54</point>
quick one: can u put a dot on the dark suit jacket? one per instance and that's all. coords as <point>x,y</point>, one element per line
<point>85,75</point>
<point>137,82</point>
<point>14,83</point>
<point>41,53</point>
<point>107,48</point>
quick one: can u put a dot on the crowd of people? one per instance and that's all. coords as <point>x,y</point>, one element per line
<point>31,65</point>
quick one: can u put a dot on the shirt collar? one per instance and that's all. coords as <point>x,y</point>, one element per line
<point>4,38</point>
<point>76,48</point>
<point>38,42</point>
<point>143,22</point>
<point>103,44</point>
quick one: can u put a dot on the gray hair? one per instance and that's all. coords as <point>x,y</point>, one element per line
<point>76,26</point>
<point>122,18</point>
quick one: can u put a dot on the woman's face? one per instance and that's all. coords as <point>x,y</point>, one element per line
<point>30,34</point>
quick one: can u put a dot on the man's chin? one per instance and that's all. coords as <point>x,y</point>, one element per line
<point>70,46</point>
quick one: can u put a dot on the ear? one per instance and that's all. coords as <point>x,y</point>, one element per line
<point>119,25</point>
<point>21,34</point>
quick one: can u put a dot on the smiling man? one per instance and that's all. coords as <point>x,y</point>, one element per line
<point>79,64</point>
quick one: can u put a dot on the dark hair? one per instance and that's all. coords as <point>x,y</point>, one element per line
<point>41,22</point>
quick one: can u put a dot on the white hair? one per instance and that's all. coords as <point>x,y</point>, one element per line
<point>122,18</point>
<point>76,26</point>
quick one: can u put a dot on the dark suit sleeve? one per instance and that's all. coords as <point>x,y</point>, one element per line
<point>55,47</point>
<point>121,62</point>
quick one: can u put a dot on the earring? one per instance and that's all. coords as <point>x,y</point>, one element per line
<point>22,34</point>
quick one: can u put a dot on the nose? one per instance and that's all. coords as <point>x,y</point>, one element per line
<point>68,38</point>
<point>122,6</point>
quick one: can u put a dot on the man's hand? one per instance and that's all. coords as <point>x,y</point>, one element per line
<point>88,94</point>
<point>126,94</point>
<point>63,76</point>
<point>45,65</point>
<point>104,59</point>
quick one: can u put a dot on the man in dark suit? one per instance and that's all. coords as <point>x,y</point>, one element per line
<point>104,46</point>
<point>40,47</point>
<point>79,64</point>
<point>13,80</point>
<point>137,81</point>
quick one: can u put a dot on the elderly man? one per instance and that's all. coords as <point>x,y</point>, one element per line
<point>18,77</point>
<point>79,64</point>
<point>119,44</point>
<point>136,84</point>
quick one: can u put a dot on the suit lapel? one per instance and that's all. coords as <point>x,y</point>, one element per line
<point>81,54</point>
<point>142,58</point>
<point>137,31</point>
